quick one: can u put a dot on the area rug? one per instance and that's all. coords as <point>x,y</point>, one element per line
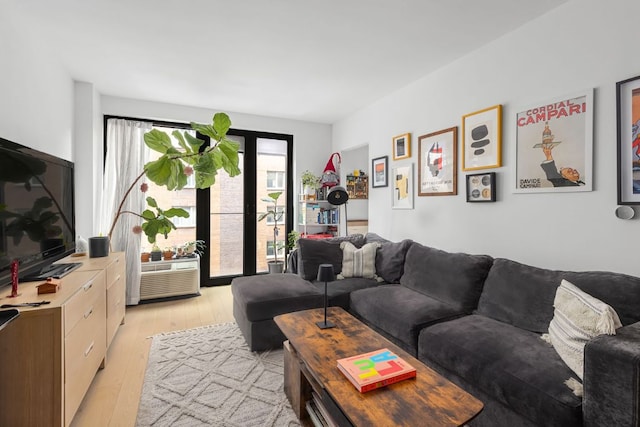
<point>208,377</point>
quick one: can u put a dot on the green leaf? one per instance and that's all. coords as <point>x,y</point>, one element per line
<point>170,213</point>
<point>152,202</point>
<point>177,135</point>
<point>147,214</point>
<point>205,130</point>
<point>263,216</point>
<point>221,124</point>
<point>158,141</point>
<point>275,195</point>
<point>159,170</point>
<point>230,158</point>
<point>193,141</point>
<point>205,171</point>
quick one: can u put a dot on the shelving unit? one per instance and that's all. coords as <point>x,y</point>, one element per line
<point>318,217</point>
<point>358,186</point>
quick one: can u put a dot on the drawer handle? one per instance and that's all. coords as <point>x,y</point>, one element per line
<point>87,286</point>
<point>88,313</point>
<point>88,350</point>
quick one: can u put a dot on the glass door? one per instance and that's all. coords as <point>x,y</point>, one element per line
<point>237,243</point>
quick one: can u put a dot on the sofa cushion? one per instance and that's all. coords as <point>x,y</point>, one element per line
<point>359,262</point>
<point>453,278</point>
<point>577,318</point>
<point>523,295</point>
<point>313,252</point>
<point>399,312</point>
<point>390,257</point>
<point>512,365</point>
<point>338,291</point>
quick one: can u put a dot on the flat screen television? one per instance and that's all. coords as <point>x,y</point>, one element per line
<point>37,223</point>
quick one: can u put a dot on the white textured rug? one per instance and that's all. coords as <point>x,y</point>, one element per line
<point>208,377</point>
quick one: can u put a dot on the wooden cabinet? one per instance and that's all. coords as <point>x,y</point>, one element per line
<point>358,186</point>
<point>50,354</point>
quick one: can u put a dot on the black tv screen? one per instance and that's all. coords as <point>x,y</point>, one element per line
<point>37,224</point>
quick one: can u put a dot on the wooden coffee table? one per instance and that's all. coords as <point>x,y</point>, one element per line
<point>310,363</point>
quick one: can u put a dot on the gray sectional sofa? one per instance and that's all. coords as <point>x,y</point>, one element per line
<point>478,321</point>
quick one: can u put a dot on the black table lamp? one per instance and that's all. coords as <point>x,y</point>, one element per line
<point>338,196</point>
<point>325,274</point>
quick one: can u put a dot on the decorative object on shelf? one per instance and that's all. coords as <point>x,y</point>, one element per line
<point>82,245</point>
<point>310,183</point>
<point>628,119</point>
<point>438,163</point>
<point>554,145</point>
<point>51,286</point>
<point>482,139</point>
<point>338,196</point>
<point>331,175</point>
<point>14,279</point>
<point>175,165</point>
<point>358,185</point>
<point>167,254</point>
<point>625,212</point>
<point>481,187</point>
<point>98,246</point>
<point>402,146</point>
<point>193,247</point>
<point>325,274</point>
<point>380,167</point>
<point>145,256</point>
<point>275,266</point>
<point>402,187</point>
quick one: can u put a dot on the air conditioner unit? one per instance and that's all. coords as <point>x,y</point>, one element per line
<point>177,277</point>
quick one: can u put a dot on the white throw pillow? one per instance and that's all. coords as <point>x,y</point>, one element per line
<point>359,262</point>
<point>577,318</point>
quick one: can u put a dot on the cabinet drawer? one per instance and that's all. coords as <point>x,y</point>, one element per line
<point>81,304</point>
<point>85,348</point>
<point>115,271</point>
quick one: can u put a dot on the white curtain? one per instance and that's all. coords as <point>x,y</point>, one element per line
<point>125,158</point>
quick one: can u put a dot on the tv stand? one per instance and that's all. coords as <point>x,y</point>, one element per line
<point>57,271</point>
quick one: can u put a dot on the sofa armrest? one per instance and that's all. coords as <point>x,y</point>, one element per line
<point>612,379</point>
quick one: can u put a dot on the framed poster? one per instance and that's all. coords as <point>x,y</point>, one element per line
<point>379,168</point>
<point>554,145</point>
<point>628,116</point>
<point>482,139</point>
<point>481,187</point>
<point>438,163</point>
<point>402,177</point>
<point>402,146</point>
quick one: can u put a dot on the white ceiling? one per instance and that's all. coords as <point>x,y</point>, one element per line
<point>300,59</point>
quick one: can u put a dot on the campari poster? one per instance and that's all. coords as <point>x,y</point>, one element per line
<point>554,151</point>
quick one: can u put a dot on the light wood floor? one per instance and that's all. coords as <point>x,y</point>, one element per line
<point>112,399</point>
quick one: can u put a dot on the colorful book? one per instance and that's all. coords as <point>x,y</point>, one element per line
<point>375,369</point>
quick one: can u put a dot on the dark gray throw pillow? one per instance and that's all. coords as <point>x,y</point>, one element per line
<point>390,260</point>
<point>313,252</point>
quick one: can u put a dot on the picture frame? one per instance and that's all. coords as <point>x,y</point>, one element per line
<point>402,178</point>
<point>554,145</point>
<point>402,146</point>
<point>380,172</point>
<point>481,187</point>
<point>438,163</point>
<point>482,139</point>
<point>628,134</point>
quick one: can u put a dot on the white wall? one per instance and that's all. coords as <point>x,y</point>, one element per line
<point>36,104</point>
<point>582,44</point>
<point>311,141</point>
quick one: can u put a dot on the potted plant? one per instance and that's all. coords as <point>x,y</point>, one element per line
<point>194,247</point>
<point>167,254</point>
<point>145,256</point>
<point>275,266</point>
<point>156,253</point>
<point>310,183</point>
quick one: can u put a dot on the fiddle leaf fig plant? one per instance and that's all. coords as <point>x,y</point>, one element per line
<point>176,164</point>
<point>272,199</point>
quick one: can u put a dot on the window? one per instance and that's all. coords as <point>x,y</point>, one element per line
<point>191,181</point>
<point>275,180</point>
<point>180,222</point>
<point>270,253</point>
<point>280,211</point>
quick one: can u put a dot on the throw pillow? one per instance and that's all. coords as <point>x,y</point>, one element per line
<point>359,262</point>
<point>577,318</point>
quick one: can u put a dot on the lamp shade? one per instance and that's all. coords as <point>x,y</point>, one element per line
<point>325,273</point>
<point>337,196</point>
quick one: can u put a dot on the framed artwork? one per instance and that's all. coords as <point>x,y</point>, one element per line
<point>554,145</point>
<point>481,187</point>
<point>379,168</point>
<point>402,187</point>
<point>402,146</point>
<point>628,118</point>
<point>482,139</point>
<point>438,163</point>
